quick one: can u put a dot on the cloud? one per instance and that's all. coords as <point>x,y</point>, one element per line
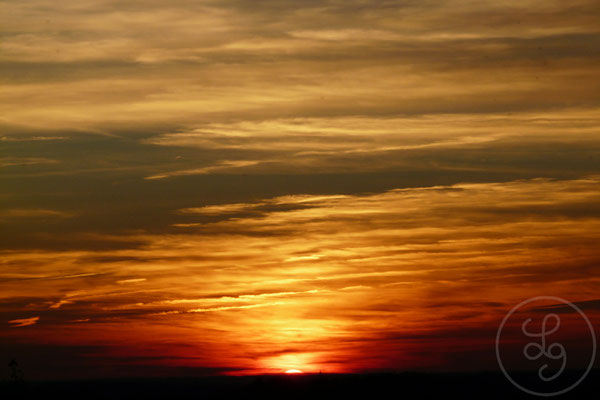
<point>224,166</point>
<point>128,281</point>
<point>31,139</point>
<point>60,303</point>
<point>587,305</point>
<point>202,310</point>
<point>34,213</point>
<point>276,60</point>
<point>359,144</point>
<point>218,209</point>
<point>330,275</point>
<point>15,162</point>
<point>17,323</point>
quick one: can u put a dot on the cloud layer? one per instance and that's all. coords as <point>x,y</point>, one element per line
<point>263,282</point>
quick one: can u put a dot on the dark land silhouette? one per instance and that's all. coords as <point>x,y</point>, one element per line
<point>406,385</point>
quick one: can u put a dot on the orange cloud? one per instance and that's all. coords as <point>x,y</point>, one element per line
<point>17,323</point>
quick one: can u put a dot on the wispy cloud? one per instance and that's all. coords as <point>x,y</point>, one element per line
<point>24,161</point>
<point>133,280</point>
<point>213,309</point>
<point>31,139</point>
<point>18,323</point>
<point>338,270</point>
<point>225,166</point>
<point>34,213</point>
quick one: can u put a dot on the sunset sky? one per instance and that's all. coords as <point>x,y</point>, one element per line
<point>251,186</point>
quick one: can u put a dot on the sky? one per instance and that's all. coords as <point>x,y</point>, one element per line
<point>246,187</point>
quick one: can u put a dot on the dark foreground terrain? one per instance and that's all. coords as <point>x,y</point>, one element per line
<point>371,386</point>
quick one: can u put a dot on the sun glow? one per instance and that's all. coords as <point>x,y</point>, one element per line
<point>293,371</point>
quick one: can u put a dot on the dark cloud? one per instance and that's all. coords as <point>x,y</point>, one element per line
<point>42,362</point>
<point>588,305</point>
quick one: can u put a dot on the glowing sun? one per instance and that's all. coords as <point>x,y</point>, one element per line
<point>293,371</point>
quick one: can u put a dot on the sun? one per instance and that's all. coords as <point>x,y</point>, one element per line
<point>293,371</point>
